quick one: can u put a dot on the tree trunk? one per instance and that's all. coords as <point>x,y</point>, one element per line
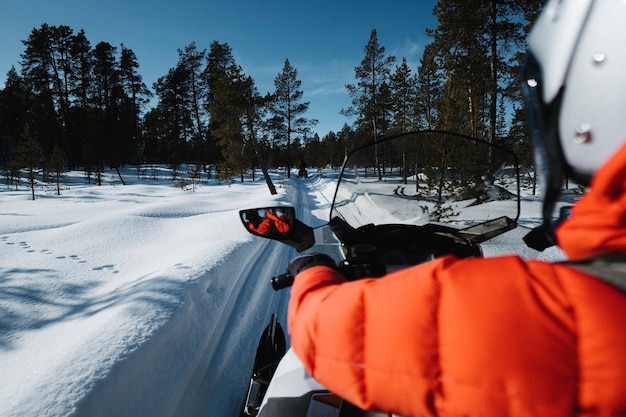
<point>120,175</point>
<point>262,163</point>
<point>263,166</point>
<point>31,179</point>
<point>494,73</point>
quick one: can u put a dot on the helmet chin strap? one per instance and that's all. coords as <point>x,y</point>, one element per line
<point>550,162</point>
<point>542,237</point>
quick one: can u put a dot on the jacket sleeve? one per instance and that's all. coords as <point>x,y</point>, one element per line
<point>355,349</point>
<point>454,337</point>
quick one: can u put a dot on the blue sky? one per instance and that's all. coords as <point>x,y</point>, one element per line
<point>323,40</point>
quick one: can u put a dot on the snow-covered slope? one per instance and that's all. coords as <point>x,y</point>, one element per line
<point>144,299</point>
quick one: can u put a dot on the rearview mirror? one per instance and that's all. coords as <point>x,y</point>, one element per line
<point>278,223</point>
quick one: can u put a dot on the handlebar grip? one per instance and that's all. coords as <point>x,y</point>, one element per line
<point>282,281</point>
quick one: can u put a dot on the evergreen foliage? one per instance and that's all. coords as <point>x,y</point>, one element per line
<point>84,106</point>
<point>288,109</point>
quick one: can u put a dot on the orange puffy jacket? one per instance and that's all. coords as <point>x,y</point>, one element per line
<point>489,337</point>
<point>271,223</point>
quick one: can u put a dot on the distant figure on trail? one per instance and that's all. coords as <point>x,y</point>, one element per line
<point>302,169</point>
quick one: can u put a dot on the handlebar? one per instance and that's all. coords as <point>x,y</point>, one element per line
<point>356,269</point>
<point>282,281</point>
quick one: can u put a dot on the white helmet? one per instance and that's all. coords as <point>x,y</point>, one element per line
<point>574,87</point>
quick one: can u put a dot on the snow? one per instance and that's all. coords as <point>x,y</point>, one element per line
<point>144,298</point>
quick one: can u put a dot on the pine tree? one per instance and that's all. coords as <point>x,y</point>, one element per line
<point>190,63</point>
<point>476,43</point>
<point>288,108</point>
<point>135,96</point>
<point>41,79</point>
<point>105,140</point>
<point>464,62</point>
<point>428,88</point>
<point>220,62</point>
<point>14,114</point>
<point>81,112</point>
<point>371,75</point>
<point>403,98</point>
<point>367,95</point>
<point>254,106</point>
<point>235,108</point>
<point>172,117</point>
<point>29,157</point>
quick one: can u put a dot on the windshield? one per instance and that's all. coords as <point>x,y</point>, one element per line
<point>427,177</point>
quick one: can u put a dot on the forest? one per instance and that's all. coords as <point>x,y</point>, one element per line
<point>69,105</point>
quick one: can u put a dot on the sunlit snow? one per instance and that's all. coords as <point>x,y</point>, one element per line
<point>147,299</point>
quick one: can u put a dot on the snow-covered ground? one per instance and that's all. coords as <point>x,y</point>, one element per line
<point>144,299</point>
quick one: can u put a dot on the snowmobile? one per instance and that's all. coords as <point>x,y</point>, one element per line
<point>399,201</point>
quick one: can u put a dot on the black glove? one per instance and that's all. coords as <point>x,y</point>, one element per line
<point>303,262</point>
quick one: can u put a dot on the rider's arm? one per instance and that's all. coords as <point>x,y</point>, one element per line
<point>461,336</point>
<point>357,346</point>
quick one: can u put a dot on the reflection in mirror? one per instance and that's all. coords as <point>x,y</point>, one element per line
<point>270,222</point>
<point>278,223</point>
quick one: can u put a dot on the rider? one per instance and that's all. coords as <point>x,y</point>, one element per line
<point>302,169</point>
<point>501,336</point>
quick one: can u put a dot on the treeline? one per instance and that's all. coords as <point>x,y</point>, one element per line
<point>74,106</point>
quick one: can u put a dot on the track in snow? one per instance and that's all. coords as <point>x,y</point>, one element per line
<point>203,356</point>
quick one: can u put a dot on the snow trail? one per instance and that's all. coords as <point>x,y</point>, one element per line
<point>203,355</point>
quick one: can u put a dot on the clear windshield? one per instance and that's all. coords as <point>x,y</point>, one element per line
<point>427,177</point>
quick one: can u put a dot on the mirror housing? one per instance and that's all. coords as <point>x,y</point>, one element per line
<point>278,223</point>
